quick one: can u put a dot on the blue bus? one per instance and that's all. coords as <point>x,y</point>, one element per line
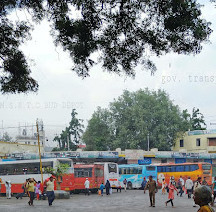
<point>135,173</point>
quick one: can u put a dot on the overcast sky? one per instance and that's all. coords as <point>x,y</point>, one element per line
<point>189,80</point>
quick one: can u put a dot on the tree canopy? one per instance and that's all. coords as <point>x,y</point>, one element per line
<point>122,32</point>
<point>133,117</point>
<point>71,135</point>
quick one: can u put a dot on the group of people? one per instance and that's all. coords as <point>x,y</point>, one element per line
<point>34,188</point>
<point>107,186</point>
<point>202,194</point>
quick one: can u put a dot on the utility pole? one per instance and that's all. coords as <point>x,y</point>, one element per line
<point>68,142</point>
<point>148,141</point>
<point>41,170</point>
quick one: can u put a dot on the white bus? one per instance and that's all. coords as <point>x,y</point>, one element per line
<point>19,170</point>
<point>111,173</point>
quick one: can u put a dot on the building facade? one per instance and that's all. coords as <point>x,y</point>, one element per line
<point>196,141</point>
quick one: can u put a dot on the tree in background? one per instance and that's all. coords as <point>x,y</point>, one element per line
<point>6,137</point>
<point>71,134</point>
<point>98,134</point>
<point>134,116</point>
<point>124,32</point>
<point>195,121</point>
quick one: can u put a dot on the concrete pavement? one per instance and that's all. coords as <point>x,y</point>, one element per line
<point>130,201</point>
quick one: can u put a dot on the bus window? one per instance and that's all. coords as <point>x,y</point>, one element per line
<point>139,170</point>
<point>80,172</point>
<point>159,168</point>
<point>186,168</point>
<point>124,171</point>
<point>99,172</point>
<point>150,168</point>
<point>194,167</point>
<point>112,168</point>
<point>173,168</point>
<point>120,170</point>
<point>127,170</point>
<point>168,168</point>
<point>179,168</point>
<point>206,167</point>
<point>163,168</point>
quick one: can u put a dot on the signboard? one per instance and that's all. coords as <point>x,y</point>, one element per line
<point>202,132</point>
<point>134,154</point>
<point>145,161</point>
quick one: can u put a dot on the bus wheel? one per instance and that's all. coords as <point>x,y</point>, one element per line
<point>129,185</point>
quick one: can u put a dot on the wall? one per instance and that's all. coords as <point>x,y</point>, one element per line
<point>10,148</point>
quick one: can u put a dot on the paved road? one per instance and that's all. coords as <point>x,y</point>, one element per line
<point>132,201</point>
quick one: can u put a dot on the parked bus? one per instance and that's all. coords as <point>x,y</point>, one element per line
<point>135,173</point>
<point>111,173</point>
<point>94,173</point>
<point>194,170</point>
<point>18,171</point>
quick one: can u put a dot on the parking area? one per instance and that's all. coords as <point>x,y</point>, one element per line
<point>132,200</point>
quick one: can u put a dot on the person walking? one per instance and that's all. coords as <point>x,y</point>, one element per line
<point>8,189</point>
<point>125,184</point>
<point>107,186</point>
<point>152,186</point>
<point>102,188</point>
<point>50,190</point>
<point>179,183</point>
<point>31,190</point>
<point>143,183</point>
<point>87,184</point>
<point>189,187</point>
<point>164,185</point>
<point>0,184</point>
<point>214,191</point>
<point>171,195</point>
<point>197,185</point>
<point>38,190</point>
<point>204,182</point>
<point>119,186</point>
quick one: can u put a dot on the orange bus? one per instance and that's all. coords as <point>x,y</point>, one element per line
<point>94,173</point>
<point>194,170</point>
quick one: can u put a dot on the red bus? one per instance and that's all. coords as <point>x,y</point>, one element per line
<point>194,170</point>
<point>18,171</point>
<point>94,173</point>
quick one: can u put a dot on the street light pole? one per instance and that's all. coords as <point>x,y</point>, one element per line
<point>148,141</point>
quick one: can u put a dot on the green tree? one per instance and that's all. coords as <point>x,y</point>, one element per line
<point>194,121</point>
<point>121,31</point>
<point>98,134</point>
<point>6,137</point>
<point>132,117</point>
<point>72,133</point>
<point>59,171</point>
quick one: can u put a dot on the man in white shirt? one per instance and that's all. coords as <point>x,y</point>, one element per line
<point>189,187</point>
<point>50,190</point>
<point>87,183</point>
<point>181,186</point>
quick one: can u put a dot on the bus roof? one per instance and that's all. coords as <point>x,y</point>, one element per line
<point>178,164</point>
<point>33,161</point>
<point>134,165</point>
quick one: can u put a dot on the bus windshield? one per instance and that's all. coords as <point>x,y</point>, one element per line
<point>112,168</point>
<point>206,167</point>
